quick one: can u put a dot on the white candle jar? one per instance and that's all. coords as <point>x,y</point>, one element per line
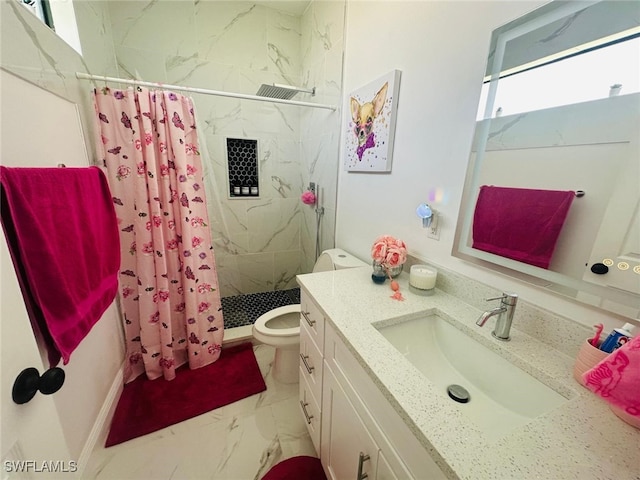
<point>422,279</point>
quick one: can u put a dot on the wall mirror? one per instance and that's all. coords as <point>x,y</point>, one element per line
<point>559,112</point>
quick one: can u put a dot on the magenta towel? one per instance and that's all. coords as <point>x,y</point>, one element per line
<point>519,223</point>
<point>62,233</point>
<point>617,377</point>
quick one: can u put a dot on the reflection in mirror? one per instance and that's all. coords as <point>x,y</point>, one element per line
<point>560,113</point>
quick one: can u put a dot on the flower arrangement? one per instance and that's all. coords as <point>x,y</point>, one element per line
<point>390,252</point>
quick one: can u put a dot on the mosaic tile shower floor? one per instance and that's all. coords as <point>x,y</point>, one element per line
<point>241,310</point>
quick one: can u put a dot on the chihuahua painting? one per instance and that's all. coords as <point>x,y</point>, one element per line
<point>363,117</point>
<point>369,139</point>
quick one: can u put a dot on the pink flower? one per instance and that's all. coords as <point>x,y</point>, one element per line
<point>197,222</point>
<point>203,307</point>
<point>126,291</point>
<point>163,147</point>
<point>140,168</point>
<point>204,287</point>
<point>138,144</point>
<point>172,244</point>
<point>164,170</point>
<point>148,138</point>
<point>132,248</point>
<point>389,251</point>
<point>157,220</point>
<point>196,242</point>
<point>214,348</point>
<point>135,358</point>
<point>379,251</point>
<point>155,318</point>
<point>162,295</point>
<point>148,225</point>
<point>147,248</point>
<point>190,149</point>
<point>191,169</point>
<point>180,307</point>
<point>123,172</point>
<point>166,363</point>
<point>171,225</point>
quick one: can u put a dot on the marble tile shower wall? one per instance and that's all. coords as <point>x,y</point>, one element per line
<point>322,50</point>
<point>261,244</point>
<point>32,51</point>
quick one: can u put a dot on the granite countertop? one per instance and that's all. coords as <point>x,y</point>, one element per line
<point>580,439</point>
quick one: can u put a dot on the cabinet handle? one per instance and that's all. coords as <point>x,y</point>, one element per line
<point>306,317</point>
<point>304,410</point>
<point>306,364</point>
<point>362,458</point>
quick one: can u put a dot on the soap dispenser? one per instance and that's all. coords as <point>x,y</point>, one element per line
<point>617,338</point>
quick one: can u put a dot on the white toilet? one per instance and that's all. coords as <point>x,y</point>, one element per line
<point>280,327</point>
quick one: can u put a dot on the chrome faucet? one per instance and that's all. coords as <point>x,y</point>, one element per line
<point>505,315</point>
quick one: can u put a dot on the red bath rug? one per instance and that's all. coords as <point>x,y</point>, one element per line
<point>146,406</point>
<point>297,468</point>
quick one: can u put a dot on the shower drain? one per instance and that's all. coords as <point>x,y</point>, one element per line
<point>458,393</point>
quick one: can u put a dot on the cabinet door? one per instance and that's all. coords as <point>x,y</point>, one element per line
<point>310,362</point>
<point>312,316</point>
<point>385,472</point>
<point>310,410</point>
<point>347,447</point>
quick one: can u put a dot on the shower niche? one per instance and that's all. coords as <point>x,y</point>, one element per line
<point>242,167</point>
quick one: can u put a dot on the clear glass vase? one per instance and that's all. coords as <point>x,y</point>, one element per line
<point>380,270</point>
<point>395,271</point>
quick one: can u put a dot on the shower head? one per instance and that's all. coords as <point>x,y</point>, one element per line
<point>284,92</point>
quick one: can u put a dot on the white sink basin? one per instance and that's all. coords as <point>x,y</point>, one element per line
<point>502,397</point>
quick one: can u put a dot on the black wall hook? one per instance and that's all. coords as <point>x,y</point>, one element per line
<point>29,382</point>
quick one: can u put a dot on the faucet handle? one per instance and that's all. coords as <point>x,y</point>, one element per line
<point>507,298</point>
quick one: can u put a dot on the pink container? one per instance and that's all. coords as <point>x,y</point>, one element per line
<point>588,357</point>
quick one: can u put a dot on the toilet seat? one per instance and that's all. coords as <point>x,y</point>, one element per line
<point>261,323</point>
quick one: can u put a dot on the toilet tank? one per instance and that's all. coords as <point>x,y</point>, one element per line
<point>336,259</point>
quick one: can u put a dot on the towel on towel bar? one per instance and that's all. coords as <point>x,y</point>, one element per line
<point>62,233</point>
<point>519,223</point>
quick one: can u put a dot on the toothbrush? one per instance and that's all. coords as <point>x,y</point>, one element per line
<point>596,338</point>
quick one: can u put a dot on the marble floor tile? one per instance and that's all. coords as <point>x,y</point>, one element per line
<point>240,441</point>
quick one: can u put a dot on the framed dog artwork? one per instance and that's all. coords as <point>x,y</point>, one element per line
<point>371,112</point>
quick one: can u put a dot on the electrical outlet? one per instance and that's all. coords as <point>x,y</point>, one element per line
<point>433,230</point>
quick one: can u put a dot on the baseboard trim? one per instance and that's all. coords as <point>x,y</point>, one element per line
<point>101,425</point>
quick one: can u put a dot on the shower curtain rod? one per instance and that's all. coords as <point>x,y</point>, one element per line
<point>85,76</point>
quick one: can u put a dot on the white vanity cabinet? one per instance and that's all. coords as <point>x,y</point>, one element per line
<point>311,366</point>
<point>356,432</point>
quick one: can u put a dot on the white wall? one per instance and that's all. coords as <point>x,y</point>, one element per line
<point>441,49</point>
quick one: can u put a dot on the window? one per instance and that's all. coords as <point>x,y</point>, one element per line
<point>598,73</point>
<point>59,16</point>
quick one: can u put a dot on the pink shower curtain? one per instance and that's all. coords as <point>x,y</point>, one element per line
<point>168,280</point>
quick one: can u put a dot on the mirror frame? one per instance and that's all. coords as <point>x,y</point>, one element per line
<point>625,304</point>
